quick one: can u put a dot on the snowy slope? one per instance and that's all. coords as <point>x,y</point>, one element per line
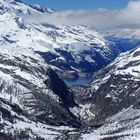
<point>123,126</point>
<point>28,81</point>
<point>16,124</point>
<point>125,64</point>
<point>26,100</point>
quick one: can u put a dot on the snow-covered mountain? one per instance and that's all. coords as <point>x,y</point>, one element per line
<point>33,97</point>
<point>70,50</point>
<point>125,38</point>
<point>31,92</point>
<point>119,86</point>
<point>113,100</point>
<point>17,7</point>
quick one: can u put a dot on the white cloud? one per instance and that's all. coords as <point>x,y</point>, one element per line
<point>99,18</point>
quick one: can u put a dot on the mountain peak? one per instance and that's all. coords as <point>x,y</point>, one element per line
<point>9,1</point>
<point>42,9</point>
<point>18,6</point>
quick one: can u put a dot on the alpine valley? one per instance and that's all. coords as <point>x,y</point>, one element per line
<point>36,58</point>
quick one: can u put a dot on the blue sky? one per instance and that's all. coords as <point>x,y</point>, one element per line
<point>80,4</point>
<point>126,13</point>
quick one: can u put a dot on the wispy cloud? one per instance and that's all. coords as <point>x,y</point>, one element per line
<point>99,18</point>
